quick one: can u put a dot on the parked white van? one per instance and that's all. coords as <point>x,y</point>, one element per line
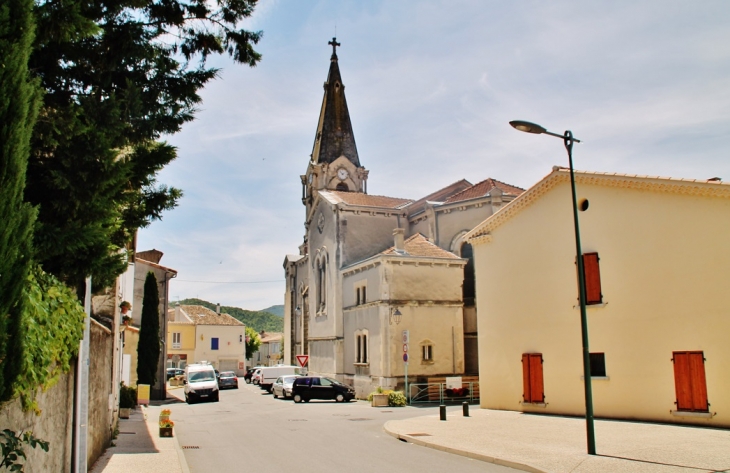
<point>202,383</point>
<point>269,374</point>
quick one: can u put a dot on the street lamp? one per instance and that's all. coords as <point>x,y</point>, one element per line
<point>395,315</point>
<point>568,139</point>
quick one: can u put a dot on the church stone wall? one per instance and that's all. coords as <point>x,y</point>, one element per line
<point>323,244</point>
<point>365,235</point>
<point>425,283</point>
<point>439,326</point>
<point>420,227</point>
<point>456,221</point>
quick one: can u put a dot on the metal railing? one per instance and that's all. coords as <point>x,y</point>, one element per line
<point>422,393</point>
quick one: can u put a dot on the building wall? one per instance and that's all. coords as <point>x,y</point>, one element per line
<point>428,295</point>
<point>131,340</point>
<point>187,340</point>
<point>423,282</point>
<point>229,347</point>
<point>54,425</point>
<point>101,415</point>
<point>664,266</point>
<point>364,235</point>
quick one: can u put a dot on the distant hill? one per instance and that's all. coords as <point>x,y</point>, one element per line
<point>275,309</point>
<point>256,319</point>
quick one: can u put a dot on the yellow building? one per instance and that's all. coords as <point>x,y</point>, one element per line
<point>196,333</point>
<point>658,280</point>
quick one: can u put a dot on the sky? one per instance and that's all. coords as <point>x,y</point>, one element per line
<point>431,87</point>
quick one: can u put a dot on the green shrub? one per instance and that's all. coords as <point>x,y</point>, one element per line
<point>380,390</point>
<point>396,399</point>
<point>127,397</point>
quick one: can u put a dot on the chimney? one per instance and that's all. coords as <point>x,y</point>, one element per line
<point>398,237</point>
<point>218,308</point>
<point>178,315</point>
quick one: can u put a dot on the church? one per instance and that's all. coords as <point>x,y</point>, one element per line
<point>382,288</point>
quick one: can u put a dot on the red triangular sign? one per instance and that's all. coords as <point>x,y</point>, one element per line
<point>302,360</point>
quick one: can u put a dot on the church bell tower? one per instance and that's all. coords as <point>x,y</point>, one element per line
<point>334,164</point>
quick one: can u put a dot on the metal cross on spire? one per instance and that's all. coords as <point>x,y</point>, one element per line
<point>334,45</point>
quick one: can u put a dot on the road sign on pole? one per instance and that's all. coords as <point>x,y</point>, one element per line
<point>302,360</point>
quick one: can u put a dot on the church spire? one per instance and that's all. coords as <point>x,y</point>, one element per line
<point>334,132</point>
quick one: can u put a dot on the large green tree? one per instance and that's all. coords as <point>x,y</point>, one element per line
<point>117,75</point>
<point>148,347</point>
<point>19,96</point>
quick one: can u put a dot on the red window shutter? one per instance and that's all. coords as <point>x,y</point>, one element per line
<point>532,382</point>
<point>682,385</point>
<point>699,383</point>
<point>592,274</point>
<point>536,386</point>
<point>689,381</point>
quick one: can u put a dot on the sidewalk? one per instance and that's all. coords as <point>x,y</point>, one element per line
<point>539,443</point>
<point>139,447</point>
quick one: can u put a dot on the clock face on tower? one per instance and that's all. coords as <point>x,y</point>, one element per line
<point>342,174</point>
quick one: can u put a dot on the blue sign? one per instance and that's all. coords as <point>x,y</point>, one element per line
<point>405,357</point>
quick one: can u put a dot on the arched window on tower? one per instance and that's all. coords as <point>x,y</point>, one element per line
<point>342,187</point>
<point>468,289</point>
<point>321,285</point>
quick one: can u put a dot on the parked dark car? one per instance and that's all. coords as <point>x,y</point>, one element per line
<point>247,375</point>
<point>172,372</point>
<point>320,387</point>
<point>227,379</point>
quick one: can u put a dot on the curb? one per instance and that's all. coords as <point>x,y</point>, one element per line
<point>463,453</point>
<point>181,456</point>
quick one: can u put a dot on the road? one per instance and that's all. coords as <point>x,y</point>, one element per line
<point>249,430</point>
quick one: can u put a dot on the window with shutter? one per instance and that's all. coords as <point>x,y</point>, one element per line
<point>532,381</point>
<point>689,381</point>
<point>592,275</point>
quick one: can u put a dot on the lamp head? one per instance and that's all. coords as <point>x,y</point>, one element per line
<point>527,127</point>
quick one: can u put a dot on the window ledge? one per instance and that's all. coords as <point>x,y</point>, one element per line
<point>705,415</point>
<point>427,362</point>
<point>533,404</point>
<point>592,306</point>
<point>596,378</point>
<point>362,364</point>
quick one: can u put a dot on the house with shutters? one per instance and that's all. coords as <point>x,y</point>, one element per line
<point>196,334</point>
<point>269,352</point>
<point>657,258</point>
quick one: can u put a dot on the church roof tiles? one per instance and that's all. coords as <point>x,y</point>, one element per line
<point>418,245</point>
<point>365,200</point>
<point>481,189</point>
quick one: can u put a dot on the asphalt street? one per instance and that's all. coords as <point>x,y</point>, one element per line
<point>249,430</point>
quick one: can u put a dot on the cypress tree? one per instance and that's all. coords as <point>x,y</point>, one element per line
<point>148,349</point>
<point>19,99</point>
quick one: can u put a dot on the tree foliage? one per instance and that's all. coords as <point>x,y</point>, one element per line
<point>53,321</point>
<point>253,342</point>
<point>117,75</point>
<point>19,99</point>
<point>148,348</point>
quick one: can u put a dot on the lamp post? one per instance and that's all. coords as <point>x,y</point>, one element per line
<point>568,140</point>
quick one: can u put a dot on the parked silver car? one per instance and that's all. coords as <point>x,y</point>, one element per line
<point>282,386</point>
